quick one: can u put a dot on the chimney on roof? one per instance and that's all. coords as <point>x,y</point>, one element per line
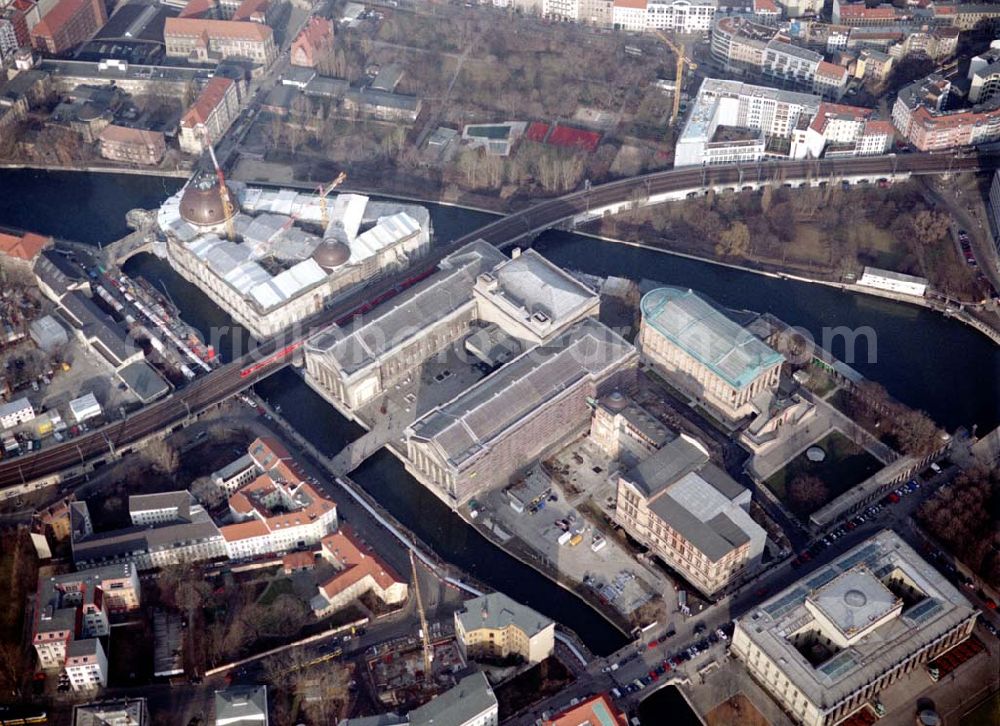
<point>515,253</point>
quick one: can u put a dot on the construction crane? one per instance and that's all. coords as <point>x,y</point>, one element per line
<point>425,632</point>
<point>324,190</point>
<point>682,60</point>
<point>227,203</point>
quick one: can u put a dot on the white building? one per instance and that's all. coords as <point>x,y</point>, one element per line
<point>984,75</point>
<point>115,712</point>
<point>791,63</point>
<point>86,665</point>
<point>681,16</point>
<point>15,413</point>
<point>161,508</point>
<point>84,408</point>
<point>278,510</point>
<point>838,130</point>
<point>359,570</point>
<point>893,281</point>
<point>730,121</point>
<point>561,9</point>
<point>629,15</point>
<point>241,706</point>
<point>276,272</point>
<point>830,643</point>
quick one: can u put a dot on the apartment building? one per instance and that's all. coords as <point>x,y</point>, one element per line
<point>858,14</point>
<point>691,514</point>
<point>279,510</point>
<point>919,115</point>
<point>596,711</point>
<point>984,75</point>
<point>967,16</point>
<point>704,353</point>
<point>114,712</point>
<point>132,146</point>
<point>504,423</point>
<point>360,570</point>
<point>681,16</point>
<point>566,10</point>
<point>790,63</point>
<point>210,116</point>
<point>71,612</point>
<point>496,626</point>
<point>629,15</point>
<point>937,44</point>
<point>873,66</point>
<point>201,40</point>
<point>738,42</point>
<point>829,643</point>
<point>67,24</point>
<point>187,538</point>
<point>838,130</point>
<point>831,80</point>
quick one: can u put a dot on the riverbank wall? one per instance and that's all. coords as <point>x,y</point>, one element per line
<point>170,173</point>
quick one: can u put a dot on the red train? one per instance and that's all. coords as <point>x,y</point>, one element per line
<point>273,358</point>
<point>362,309</point>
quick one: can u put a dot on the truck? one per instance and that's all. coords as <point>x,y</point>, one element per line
<point>575,539</point>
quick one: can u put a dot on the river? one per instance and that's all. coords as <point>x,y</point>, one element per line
<point>924,359</point>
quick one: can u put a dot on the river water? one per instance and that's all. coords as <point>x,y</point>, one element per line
<point>925,360</point>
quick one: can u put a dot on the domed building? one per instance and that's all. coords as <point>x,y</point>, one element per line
<point>330,254</point>
<point>201,203</point>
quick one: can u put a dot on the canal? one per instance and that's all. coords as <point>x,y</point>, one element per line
<point>926,360</point>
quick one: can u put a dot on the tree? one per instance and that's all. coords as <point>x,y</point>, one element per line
<point>807,493</point>
<point>162,457</point>
<point>734,242</point>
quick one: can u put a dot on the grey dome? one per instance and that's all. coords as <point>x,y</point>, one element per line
<point>331,254</point>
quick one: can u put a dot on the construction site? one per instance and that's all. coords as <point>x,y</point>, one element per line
<point>271,257</point>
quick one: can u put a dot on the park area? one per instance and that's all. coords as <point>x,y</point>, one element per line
<point>805,484</point>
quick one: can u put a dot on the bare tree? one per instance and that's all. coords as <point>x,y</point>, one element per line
<point>162,457</point>
<point>807,493</point>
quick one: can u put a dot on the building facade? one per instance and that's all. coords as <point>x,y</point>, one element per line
<point>919,117</point>
<point>731,121</point>
<point>67,24</point>
<point>209,41</point>
<point>691,514</point>
<point>360,570</point>
<point>830,643</point>
<point>210,116</point>
<point>132,146</point>
<point>501,425</point>
<point>705,354</point>
<point>495,626</point>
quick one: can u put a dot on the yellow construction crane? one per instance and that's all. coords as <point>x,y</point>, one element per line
<point>682,60</point>
<point>425,632</point>
<point>324,190</point>
<point>227,203</point>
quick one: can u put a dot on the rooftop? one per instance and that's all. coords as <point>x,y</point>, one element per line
<point>539,294</point>
<point>496,611</point>
<point>469,423</point>
<point>471,697</point>
<point>355,562</point>
<point>403,319</point>
<point>595,711</point>
<point>936,608</point>
<point>241,706</point>
<point>854,601</point>
<point>706,334</point>
<point>195,27</point>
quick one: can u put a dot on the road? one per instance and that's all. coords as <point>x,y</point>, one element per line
<point>226,381</point>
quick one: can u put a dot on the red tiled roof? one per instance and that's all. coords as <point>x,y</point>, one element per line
<point>764,6</point>
<point>208,100</point>
<point>25,247</point>
<point>126,135</point>
<point>197,9</point>
<point>58,16</point>
<point>879,127</point>
<point>826,110</point>
<point>596,710</point>
<point>251,9</point>
<point>634,4</point>
<point>860,11</point>
<point>298,561</point>
<point>830,70</point>
<point>345,550</point>
<point>244,530</point>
